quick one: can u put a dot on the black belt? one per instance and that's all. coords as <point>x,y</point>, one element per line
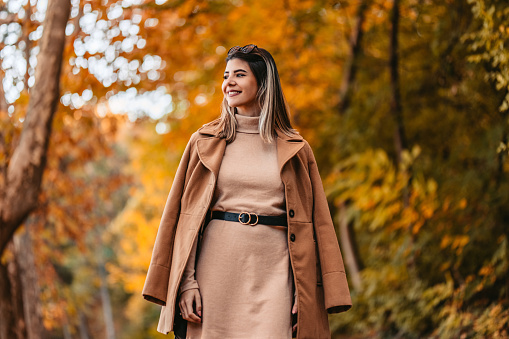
<point>251,219</point>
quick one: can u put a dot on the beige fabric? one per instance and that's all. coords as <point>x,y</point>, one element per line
<point>243,272</point>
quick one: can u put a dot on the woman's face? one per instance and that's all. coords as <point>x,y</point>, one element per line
<point>240,87</point>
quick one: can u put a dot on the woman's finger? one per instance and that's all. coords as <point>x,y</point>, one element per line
<point>194,318</point>
<point>294,313</point>
<point>181,306</point>
<point>184,306</point>
<point>183,309</point>
<point>188,310</point>
<point>198,302</point>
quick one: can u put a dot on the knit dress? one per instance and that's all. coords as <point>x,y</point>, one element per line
<point>243,272</point>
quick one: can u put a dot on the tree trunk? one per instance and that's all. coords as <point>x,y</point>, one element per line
<point>12,320</point>
<point>17,297</point>
<point>19,194</point>
<point>83,326</point>
<point>106,302</point>
<point>348,247</point>
<point>347,238</point>
<point>502,155</point>
<point>4,135</point>
<point>28,44</point>
<point>396,108</point>
<point>20,183</point>
<point>7,319</point>
<point>350,69</point>
<point>66,331</point>
<point>3,103</point>
<point>29,282</point>
<point>400,141</point>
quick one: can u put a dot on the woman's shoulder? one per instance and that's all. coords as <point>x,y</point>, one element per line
<point>289,135</point>
<point>208,129</point>
<point>306,150</point>
<point>205,131</point>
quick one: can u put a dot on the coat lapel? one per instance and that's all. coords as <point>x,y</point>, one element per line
<point>211,149</point>
<point>287,147</point>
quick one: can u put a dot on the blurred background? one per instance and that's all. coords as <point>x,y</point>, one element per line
<point>404,102</point>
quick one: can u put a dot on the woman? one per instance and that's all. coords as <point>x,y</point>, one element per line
<point>246,239</point>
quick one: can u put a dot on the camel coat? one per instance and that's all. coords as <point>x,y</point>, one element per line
<point>317,265</point>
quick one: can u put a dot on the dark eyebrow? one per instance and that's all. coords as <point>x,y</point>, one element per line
<point>237,70</point>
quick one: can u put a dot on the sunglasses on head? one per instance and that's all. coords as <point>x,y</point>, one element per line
<point>246,49</point>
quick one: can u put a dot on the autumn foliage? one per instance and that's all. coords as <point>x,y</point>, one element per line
<point>427,224</point>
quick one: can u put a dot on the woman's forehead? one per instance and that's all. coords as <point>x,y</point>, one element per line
<point>235,64</point>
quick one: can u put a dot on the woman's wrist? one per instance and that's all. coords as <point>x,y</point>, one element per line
<point>188,285</point>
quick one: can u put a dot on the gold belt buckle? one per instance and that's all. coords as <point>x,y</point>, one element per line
<point>256,222</point>
<point>249,220</point>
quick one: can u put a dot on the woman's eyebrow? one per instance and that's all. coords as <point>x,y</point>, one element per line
<point>237,70</point>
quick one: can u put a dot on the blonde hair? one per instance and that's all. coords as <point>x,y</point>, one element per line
<point>274,109</point>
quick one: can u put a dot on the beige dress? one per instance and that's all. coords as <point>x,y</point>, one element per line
<point>243,272</point>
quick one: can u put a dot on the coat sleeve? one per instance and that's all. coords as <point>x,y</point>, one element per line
<point>156,283</point>
<point>335,285</point>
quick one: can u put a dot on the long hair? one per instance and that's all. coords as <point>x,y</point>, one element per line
<point>274,109</point>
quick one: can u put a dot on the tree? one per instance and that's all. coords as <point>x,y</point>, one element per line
<point>21,179</point>
<point>449,191</point>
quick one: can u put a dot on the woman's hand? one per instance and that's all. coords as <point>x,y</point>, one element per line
<point>188,300</point>
<point>294,315</point>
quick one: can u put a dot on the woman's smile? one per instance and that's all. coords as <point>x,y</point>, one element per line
<point>233,93</point>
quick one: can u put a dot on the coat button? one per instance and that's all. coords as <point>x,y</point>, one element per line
<point>291,213</point>
<point>292,237</point>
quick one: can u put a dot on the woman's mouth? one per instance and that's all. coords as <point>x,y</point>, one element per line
<point>233,93</point>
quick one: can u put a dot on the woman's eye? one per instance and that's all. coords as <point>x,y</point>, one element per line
<point>225,77</point>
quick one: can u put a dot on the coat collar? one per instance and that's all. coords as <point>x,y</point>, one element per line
<point>287,147</point>
<point>211,148</point>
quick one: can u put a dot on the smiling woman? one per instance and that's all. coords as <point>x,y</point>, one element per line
<point>246,247</point>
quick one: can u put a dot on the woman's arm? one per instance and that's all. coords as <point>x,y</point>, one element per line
<point>335,285</point>
<point>189,293</point>
<point>188,279</point>
<point>156,283</point>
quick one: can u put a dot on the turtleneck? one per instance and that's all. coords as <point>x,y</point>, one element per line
<point>247,124</point>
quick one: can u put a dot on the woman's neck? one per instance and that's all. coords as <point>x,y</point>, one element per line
<point>250,112</point>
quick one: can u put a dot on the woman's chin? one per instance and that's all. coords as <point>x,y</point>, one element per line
<point>232,103</point>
